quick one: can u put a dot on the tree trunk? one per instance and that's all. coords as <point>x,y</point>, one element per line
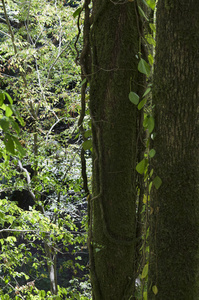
<point>114,40</point>
<point>174,238</point>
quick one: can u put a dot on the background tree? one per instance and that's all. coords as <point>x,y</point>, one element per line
<point>174,236</point>
<point>115,44</point>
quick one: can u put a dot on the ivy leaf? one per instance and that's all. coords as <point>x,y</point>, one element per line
<point>157,181</point>
<point>151,4</point>
<point>77,12</point>
<point>144,67</point>
<point>134,98</point>
<point>87,145</point>
<point>145,271</point>
<point>155,289</point>
<point>142,103</point>
<point>152,26</point>
<point>147,91</point>
<point>152,153</point>
<point>151,124</point>
<point>140,168</point>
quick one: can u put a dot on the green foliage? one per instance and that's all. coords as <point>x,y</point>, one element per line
<point>41,91</point>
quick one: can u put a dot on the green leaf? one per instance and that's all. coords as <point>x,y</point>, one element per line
<point>142,103</point>
<point>2,98</point>
<point>155,289</point>
<point>142,13</point>
<point>150,59</point>
<point>157,181</point>
<point>145,271</point>
<point>151,4</point>
<point>4,124</point>
<point>88,133</point>
<point>134,98</point>
<point>147,91</point>
<point>9,98</point>
<point>9,144</point>
<point>152,26</point>
<point>14,125</point>
<point>145,296</point>
<point>144,67</point>
<point>87,145</point>
<point>9,111</point>
<point>140,168</point>
<point>150,40</point>
<point>152,153</point>
<point>77,12</point>
<point>151,124</point>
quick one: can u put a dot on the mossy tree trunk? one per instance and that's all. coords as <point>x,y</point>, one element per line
<point>114,41</point>
<point>174,238</point>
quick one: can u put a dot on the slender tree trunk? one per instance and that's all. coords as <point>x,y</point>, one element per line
<point>174,238</point>
<point>114,41</point>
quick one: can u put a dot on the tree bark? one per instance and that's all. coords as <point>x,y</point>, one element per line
<point>114,41</point>
<point>174,237</point>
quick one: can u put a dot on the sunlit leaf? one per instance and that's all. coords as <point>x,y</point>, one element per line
<point>142,103</point>
<point>151,4</point>
<point>145,271</point>
<point>9,111</point>
<point>155,289</point>
<point>140,168</point>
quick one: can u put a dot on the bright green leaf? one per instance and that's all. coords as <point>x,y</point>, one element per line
<point>9,98</point>
<point>152,153</point>
<point>134,98</point>
<point>151,4</point>
<point>145,271</point>
<point>151,124</point>
<point>145,296</point>
<point>142,103</point>
<point>9,111</point>
<point>155,289</point>
<point>140,168</point>
<point>144,67</point>
<point>157,181</point>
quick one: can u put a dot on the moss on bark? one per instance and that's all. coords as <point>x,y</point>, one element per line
<point>174,238</point>
<point>115,40</point>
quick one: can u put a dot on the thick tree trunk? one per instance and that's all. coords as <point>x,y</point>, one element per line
<point>174,242</point>
<point>114,40</point>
